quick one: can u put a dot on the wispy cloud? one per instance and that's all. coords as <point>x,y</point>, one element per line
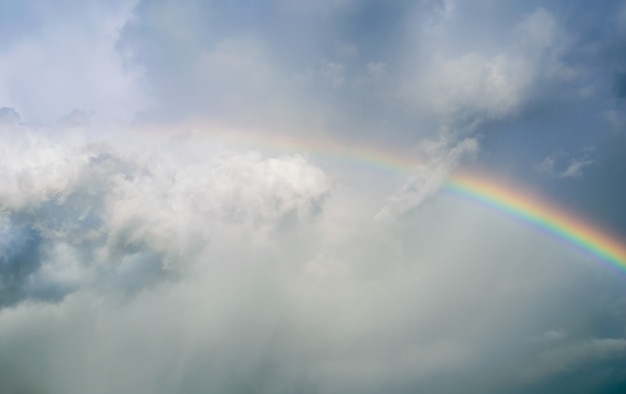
<point>566,165</point>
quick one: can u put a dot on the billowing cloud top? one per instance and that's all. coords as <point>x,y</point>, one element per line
<point>215,196</point>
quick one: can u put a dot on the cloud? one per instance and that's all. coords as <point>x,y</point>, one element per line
<point>468,84</point>
<point>566,165</point>
<point>76,213</point>
<point>442,159</point>
<point>200,268</point>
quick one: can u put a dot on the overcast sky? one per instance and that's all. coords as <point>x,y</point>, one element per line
<point>195,196</point>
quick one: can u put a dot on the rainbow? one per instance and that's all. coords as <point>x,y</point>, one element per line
<point>541,214</point>
<point>481,188</point>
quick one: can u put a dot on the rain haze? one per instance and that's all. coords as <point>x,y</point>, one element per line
<point>331,196</point>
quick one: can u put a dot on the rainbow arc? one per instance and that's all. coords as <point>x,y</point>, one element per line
<point>512,201</point>
<point>541,214</point>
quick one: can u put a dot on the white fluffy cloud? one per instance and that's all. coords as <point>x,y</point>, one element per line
<point>487,83</point>
<point>92,202</point>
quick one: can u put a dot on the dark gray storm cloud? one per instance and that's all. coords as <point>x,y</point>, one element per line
<point>394,73</point>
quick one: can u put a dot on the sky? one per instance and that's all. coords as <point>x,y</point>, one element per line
<point>255,196</point>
